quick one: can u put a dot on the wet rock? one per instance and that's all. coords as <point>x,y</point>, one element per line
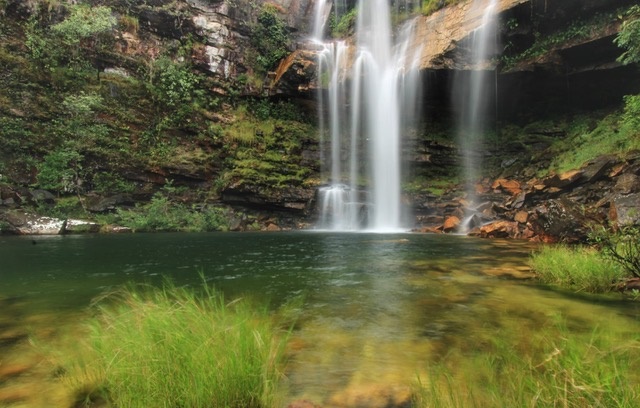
<point>561,220</point>
<point>498,229</point>
<point>518,201</point>
<point>511,187</point>
<point>296,73</point>
<point>562,181</point>
<point>627,183</point>
<point>272,227</point>
<point>451,224</point>
<point>31,224</point>
<point>42,196</point>
<point>597,169</point>
<point>521,217</point>
<point>105,204</point>
<point>625,210</point>
<point>80,226</point>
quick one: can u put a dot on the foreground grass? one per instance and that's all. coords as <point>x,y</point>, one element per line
<point>576,268</point>
<point>555,369</point>
<point>172,347</point>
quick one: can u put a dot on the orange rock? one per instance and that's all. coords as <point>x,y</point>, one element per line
<point>521,217</point>
<point>500,229</point>
<point>451,223</point>
<point>510,186</point>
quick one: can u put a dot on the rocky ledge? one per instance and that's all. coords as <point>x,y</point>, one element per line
<point>557,208</point>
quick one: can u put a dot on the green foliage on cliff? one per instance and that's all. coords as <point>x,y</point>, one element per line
<point>167,212</point>
<point>589,137</point>
<point>270,37</point>
<point>629,36</point>
<point>265,151</point>
<point>544,43</point>
<point>71,126</point>
<point>345,25</point>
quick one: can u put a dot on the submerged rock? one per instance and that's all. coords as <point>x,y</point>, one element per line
<point>373,396</point>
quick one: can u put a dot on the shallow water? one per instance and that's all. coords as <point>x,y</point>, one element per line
<point>377,308</point>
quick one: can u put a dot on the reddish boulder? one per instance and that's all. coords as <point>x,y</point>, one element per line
<point>500,229</point>
<point>451,224</point>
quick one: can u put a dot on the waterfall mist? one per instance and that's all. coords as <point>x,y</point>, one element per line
<point>473,91</point>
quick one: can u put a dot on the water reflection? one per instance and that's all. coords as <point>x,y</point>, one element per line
<point>377,308</point>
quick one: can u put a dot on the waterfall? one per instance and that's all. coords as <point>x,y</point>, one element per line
<point>365,103</point>
<point>472,96</point>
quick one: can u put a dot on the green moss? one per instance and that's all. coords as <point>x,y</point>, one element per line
<point>588,139</point>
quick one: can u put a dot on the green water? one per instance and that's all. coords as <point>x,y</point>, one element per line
<point>376,308</point>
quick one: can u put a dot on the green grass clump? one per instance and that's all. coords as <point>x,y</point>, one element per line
<point>172,347</point>
<point>576,268</point>
<point>555,369</point>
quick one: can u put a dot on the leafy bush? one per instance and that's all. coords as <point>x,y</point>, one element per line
<point>175,347</point>
<point>345,25</point>
<point>84,22</point>
<point>60,170</point>
<point>108,183</point>
<point>629,36</point>
<point>577,268</point>
<point>621,247</point>
<point>270,37</point>
<point>631,116</point>
<point>163,214</point>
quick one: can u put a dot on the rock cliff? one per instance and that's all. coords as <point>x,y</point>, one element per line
<point>215,147</point>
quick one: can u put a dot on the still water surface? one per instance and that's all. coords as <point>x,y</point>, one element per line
<point>377,307</point>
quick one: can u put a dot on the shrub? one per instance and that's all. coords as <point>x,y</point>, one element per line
<point>345,25</point>
<point>270,38</point>
<point>163,214</point>
<point>622,247</point>
<point>85,22</point>
<point>174,347</point>
<point>578,268</point>
<point>60,170</point>
<point>629,36</point>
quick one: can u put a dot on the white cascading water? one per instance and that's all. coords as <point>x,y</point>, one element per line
<point>369,95</point>
<point>473,96</point>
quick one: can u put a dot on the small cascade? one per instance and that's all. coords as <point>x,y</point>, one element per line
<point>365,106</point>
<point>473,93</point>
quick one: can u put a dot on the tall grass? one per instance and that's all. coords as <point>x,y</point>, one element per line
<point>577,268</point>
<point>173,348</point>
<point>556,369</point>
